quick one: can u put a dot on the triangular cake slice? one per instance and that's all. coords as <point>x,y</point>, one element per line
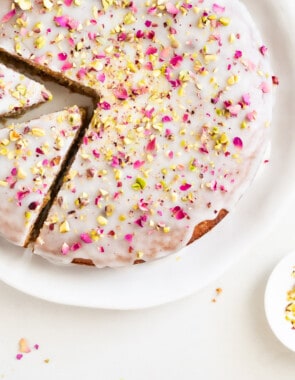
<point>32,154</point>
<point>18,92</point>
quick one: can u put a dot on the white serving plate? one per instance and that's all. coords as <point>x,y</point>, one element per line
<point>275,300</point>
<point>197,265</point>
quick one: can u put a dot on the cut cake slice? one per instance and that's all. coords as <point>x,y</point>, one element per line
<point>18,92</point>
<point>32,155</point>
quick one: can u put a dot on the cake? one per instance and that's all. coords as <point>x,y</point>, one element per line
<point>31,157</point>
<point>18,92</point>
<point>183,94</point>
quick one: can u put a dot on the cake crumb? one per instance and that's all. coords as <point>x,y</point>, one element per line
<point>218,292</point>
<point>23,346</point>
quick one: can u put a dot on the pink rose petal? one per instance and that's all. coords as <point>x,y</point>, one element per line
<point>121,93</point>
<point>238,143</point>
<point>96,153</point>
<point>75,247</point>
<point>8,16</point>
<point>166,119</point>
<point>143,206</point>
<point>185,187</point>
<point>178,213</point>
<point>138,164</point>
<point>105,106</point>
<point>62,56</point>
<point>65,249</point>
<point>151,50</point>
<point>265,87</point>
<point>263,50</point>
<point>246,99</point>
<point>234,110</point>
<point>251,116</point>
<point>61,20</point>
<point>101,77</point>
<point>171,9</point>
<point>129,238</point>
<point>86,238</point>
<point>151,145</point>
<point>66,66</point>
<point>218,8</point>
<point>176,60</point>
<point>238,54</point>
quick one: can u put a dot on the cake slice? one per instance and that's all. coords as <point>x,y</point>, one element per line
<point>32,154</point>
<point>18,92</point>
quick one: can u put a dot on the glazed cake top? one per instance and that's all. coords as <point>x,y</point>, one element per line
<point>180,127</point>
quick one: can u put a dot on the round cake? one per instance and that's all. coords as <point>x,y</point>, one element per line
<point>183,95</point>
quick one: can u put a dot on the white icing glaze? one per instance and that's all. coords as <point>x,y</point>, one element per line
<point>18,91</point>
<point>165,150</point>
<point>31,155</point>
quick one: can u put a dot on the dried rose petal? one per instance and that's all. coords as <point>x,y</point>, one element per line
<point>86,238</point>
<point>234,110</point>
<point>151,145</point>
<point>246,99</point>
<point>275,80</point>
<point>171,9</point>
<point>218,8</point>
<point>128,237</point>
<point>75,247</point>
<point>105,106</point>
<point>121,93</point>
<point>238,54</point>
<point>185,187</point>
<point>67,66</point>
<point>263,50</point>
<point>65,249</point>
<point>61,20</point>
<point>139,34</point>
<point>151,50</point>
<point>138,164</point>
<point>62,56</point>
<point>238,143</point>
<point>176,60</point>
<point>143,206</point>
<point>8,16</point>
<point>152,11</point>
<point>178,213</point>
<point>166,119</point>
<point>251,116</point>
<point>265,87</point>
<point>101,77</point>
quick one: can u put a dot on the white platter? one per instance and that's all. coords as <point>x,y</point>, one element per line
<point>196,266</point>
<point>275,300</point>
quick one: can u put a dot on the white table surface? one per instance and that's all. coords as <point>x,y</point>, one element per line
<point>190,339</point>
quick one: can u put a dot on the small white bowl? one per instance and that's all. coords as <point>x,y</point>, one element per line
<point>275,300</point>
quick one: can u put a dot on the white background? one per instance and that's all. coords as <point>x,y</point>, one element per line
<point>190,339</point>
